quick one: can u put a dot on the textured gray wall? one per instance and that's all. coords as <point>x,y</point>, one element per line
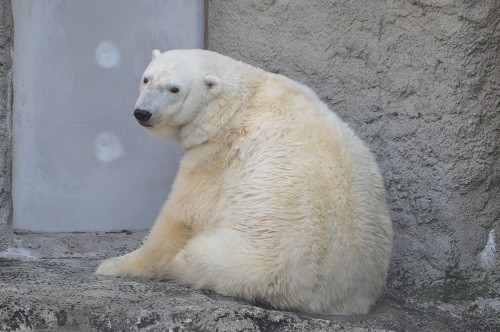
<point>5,123</point>
<point>419,81</point>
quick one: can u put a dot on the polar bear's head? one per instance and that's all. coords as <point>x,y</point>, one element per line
<point>175,89</point>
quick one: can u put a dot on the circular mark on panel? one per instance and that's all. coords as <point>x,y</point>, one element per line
<point>108,147</point>
<point>107,55</point>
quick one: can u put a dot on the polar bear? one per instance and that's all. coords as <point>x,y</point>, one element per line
<point>276,199</point>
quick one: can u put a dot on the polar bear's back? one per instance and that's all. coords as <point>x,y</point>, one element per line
<point>307,192</point>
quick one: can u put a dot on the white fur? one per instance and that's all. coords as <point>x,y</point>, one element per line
<point>276,198</point>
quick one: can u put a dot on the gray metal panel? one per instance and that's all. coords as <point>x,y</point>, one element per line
<point>81,162</point>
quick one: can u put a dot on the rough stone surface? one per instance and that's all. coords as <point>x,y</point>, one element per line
<point>5,123</point>
<point>47,283</point>
<point>419,81</point>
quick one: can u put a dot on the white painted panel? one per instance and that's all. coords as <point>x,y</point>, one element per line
<point>81,162</point>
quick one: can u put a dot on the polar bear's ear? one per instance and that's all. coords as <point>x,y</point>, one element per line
<point>213,83</point>
<point>155,54</point>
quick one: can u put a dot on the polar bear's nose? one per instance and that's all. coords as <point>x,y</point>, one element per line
<point>142,115</point>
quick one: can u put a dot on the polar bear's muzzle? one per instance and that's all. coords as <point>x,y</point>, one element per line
<point>143,117</point>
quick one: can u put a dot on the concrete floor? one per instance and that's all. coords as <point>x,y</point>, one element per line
<point>47,283</point>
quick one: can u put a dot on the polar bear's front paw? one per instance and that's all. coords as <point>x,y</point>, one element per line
<point>110,267</point>
<point>129,265</point>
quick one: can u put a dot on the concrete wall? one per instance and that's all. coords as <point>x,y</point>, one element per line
<point>419,81</point>
<point>6,34</point>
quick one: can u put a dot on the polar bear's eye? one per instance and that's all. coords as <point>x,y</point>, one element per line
<point>174,90</point>
<point>145,80</point>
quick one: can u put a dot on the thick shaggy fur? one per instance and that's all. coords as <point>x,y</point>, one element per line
<point>276,198</point>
